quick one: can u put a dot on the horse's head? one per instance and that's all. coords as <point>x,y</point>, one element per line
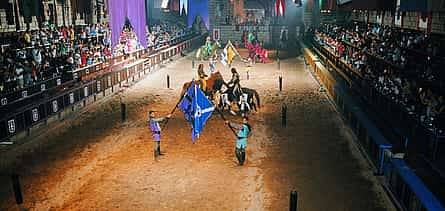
<point>216,76</point>
<point>216,44</point>
<point>215,81</point>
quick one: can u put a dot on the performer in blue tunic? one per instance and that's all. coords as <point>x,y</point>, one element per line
<point>156,130</point>
<point>241,143</point>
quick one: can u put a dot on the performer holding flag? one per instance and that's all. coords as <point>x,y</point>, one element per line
<point>197,109</point>
<point>229,54</point>
<point>156,130</point>
<point>241,143</point>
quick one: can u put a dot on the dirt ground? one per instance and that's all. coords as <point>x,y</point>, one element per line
<point>98,163</point>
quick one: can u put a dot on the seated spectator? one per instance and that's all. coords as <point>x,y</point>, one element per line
<point>439,107</point>
<point>49,51</point>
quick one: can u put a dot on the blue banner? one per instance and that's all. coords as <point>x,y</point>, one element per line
<point>198,8</point>
<point>202,109</point>
<point>186,103</point>
<point>197,109</point>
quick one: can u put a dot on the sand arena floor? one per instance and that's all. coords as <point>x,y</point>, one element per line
<point>95,162</point>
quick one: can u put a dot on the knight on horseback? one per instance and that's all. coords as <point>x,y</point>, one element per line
<point>208,46</point>
<point>234,84</point>
<point>202,77</point>
<point>209,49</point>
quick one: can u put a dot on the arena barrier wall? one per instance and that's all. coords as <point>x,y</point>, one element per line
<point>18,124</point>
<point>15,100</point>
<point>368,135</point>
<point>409,135</point>
<point>408,190</point>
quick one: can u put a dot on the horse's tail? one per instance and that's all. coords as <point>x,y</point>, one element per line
<point>257,96</point>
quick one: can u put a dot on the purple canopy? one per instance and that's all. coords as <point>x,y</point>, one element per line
<point>134,10</point>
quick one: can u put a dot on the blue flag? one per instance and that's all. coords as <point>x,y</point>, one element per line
<point>197,109</point>
<point>202,109</point>
<point>186,103</point>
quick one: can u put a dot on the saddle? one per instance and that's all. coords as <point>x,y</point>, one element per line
<point>203,83</point>
<point>235,90</point>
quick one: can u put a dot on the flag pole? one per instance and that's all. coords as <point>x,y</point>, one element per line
<point>222,116</point>
<point>173,110</point>
<point>176,106</point>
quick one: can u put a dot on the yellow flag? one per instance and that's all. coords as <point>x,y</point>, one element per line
<point>230,54</point>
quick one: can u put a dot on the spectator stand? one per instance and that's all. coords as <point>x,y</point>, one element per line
<point>15,125</point>
<point>403,122</point>
<point>403,185</point>
<point>19,98</point>
<point>388,106</point>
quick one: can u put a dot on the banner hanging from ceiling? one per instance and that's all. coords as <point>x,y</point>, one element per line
<point>198,8</point>
<point>134,10</point>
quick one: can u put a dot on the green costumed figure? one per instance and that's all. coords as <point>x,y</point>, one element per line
<point>250,38</point>
<point>208,47</point>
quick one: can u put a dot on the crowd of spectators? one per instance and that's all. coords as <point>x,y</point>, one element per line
<point>160,35</point>
<point>402,65</point>
<point>31,56</point>
<point>28,57</point>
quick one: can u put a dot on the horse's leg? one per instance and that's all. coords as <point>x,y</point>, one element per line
<point>253,107</point>
<point>252,104</point>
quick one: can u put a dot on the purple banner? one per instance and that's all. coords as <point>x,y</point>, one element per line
<point>134,10</point>
<point>136,15</point>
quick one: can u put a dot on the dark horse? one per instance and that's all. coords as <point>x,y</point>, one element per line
<point>253,99</point>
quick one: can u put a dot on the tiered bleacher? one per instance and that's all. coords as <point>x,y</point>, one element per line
<point>51,52</point>
<point>402,65</point>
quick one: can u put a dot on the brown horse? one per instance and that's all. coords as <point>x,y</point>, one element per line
<point>214,83</point>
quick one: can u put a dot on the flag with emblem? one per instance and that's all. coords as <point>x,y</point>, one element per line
<point>202,110</point>
<point>197,109</point>
<point>186,103</point>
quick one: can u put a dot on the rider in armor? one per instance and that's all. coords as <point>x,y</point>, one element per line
<point>234,82</point>
<point>208,46</point>
<point>202,76</point>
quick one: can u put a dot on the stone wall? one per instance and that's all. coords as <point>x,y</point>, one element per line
<point>269,34</point>
<point>4,27</point>
<point>63,17</point>
<point>410,20</point>
<point>218,10</point>
<point>232,33</point>
<point>388,19</point>
<point>438,23</point>
<point>328,17</point>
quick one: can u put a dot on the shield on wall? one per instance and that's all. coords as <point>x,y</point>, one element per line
<point>35,115</point>
<point>11,126</point>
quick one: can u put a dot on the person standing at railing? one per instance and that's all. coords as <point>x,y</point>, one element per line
<point>340,49</point>
<point>19,76</point>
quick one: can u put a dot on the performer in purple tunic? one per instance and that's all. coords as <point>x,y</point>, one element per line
<point>156,130</point>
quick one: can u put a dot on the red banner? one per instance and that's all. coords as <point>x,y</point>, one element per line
<point>280,7</point>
